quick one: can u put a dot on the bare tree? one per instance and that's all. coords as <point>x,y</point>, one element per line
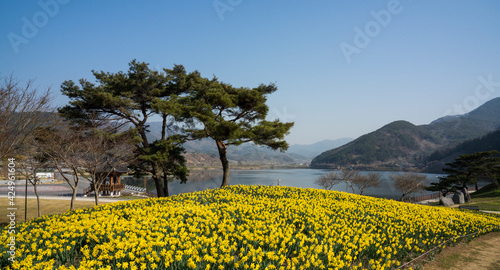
<point>63,149</point>
<point>409,183</point>
<point>23,108</point>
<point>107,151</point>
<point>362,182</point>
<point>349,177</point>
<point>30,165</point>
<point>329,180</point>
<point>352,179</point>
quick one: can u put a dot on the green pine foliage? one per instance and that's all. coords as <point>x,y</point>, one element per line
<point>132,98</point>
<point>190,106</point>
<point>226,114</point>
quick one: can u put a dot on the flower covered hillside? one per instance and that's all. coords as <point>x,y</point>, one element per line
<point>241,227</point>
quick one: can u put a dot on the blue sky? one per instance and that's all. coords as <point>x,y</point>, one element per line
<point>343,68</point>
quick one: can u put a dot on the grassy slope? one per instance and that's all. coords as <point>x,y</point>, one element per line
<point>487,198</point>
<point>48,207</point>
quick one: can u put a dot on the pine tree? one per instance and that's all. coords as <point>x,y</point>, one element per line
<point>132,99</point>
<point>228,115</point>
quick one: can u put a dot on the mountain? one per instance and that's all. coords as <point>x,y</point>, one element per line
<point>458,128</point>
<point>312,150</point>
<point>488,112</point>
<point>204,152</point>
<point>396,144</point>
<point>251,154</point>
<point>436,160</point>
<point>245,154</point>
<point>402,144</point>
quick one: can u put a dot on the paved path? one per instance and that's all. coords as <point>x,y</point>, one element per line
<point>491,212</point>
<point>455,206</point>
<point>52,189</point>
<point>480,253</point>
<point>67,198</point>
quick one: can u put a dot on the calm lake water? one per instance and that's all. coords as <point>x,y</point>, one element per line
<point>304,178</point>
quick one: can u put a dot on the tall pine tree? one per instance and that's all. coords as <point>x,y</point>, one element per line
<point>228,115</point>
<point>466,169</point>
<point>133,98</point>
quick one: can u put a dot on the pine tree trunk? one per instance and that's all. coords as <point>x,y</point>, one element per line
<point>158,185</point>
<point>165,184</point>
<point>155,170</point>
<point>225,163</point>
<point>157,178</point>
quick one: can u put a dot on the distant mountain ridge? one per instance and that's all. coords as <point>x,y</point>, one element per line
<point>245,154</point>
<point>401,144</point>
<point>312,150</point>
<point>488,142</point>
<point>204,152</point>
<point>488,112</point>
<point>393,145</point>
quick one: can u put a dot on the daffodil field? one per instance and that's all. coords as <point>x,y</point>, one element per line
<point>240,227</point>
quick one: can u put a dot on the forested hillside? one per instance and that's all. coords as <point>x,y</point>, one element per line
<point>402,144</point>
<point>488,142</point>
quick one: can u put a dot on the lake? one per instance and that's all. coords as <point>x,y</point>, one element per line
<point>304,178</point>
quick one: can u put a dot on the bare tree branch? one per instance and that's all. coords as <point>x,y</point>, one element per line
<point>409,183</point>
<point>329,180</point>
<point>22,110</point>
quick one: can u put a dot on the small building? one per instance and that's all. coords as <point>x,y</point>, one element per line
<point>45,176</point>
<point>110,184</point>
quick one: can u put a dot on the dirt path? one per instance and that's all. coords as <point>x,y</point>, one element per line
<point>480,253</point>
